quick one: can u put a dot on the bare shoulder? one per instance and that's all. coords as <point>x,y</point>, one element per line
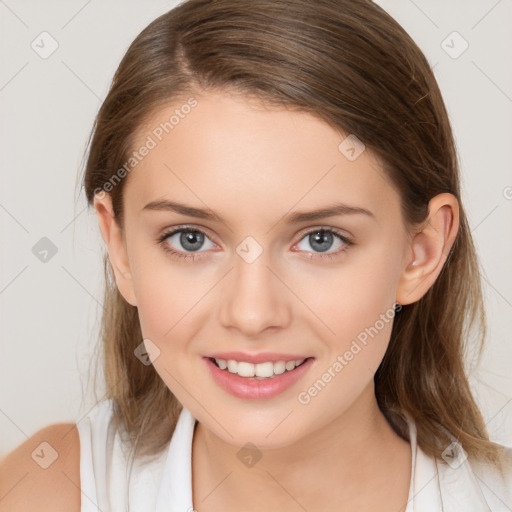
<point>43,473</point>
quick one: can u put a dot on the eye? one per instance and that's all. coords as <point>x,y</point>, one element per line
<point>322,240</point>
<point>182,240</point>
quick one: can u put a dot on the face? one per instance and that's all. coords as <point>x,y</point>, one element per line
<point>255,282</point>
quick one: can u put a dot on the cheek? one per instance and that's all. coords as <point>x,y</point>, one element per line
<point>351,298</point>
<point>359,308</point>
<point>166,295</point>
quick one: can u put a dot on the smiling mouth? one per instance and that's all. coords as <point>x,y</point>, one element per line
<point>259,371</point>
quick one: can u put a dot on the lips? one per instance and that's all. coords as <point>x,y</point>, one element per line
<point>257,388</point>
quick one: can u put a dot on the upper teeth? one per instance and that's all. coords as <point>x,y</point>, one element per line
<point>262,370</point>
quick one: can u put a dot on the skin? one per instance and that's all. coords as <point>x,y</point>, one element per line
<point>253,164</point>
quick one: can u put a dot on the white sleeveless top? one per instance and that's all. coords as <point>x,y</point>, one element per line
<point>165,484</point>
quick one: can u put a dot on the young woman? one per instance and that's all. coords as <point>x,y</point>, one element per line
<point>290,274</point>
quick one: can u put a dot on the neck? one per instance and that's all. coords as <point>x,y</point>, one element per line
<point>359,443</point>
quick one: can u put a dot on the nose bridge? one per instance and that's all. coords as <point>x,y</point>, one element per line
<point>252,298</point>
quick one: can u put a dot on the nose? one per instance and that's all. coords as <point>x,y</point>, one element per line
<point>254,299</point>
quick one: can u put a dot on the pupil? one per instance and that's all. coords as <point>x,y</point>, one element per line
<point>193,238</point>
<point>322,240</point>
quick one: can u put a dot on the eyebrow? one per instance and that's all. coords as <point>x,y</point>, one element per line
<point>292,218</point>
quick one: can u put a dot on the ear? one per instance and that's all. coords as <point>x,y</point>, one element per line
<point>429,249</point>
<point>113,237</point>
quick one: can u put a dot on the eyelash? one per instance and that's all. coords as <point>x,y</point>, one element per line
<point>191,256</point>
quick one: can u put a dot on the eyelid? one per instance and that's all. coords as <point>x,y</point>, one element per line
<point>311,229</point>
<point>167,232</point>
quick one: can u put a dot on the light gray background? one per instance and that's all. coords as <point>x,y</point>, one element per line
<point>49,312</point>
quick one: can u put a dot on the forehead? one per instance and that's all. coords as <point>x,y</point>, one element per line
<point>237,154</point>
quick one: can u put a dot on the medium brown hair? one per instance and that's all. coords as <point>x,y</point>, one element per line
<point>351,64</point>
